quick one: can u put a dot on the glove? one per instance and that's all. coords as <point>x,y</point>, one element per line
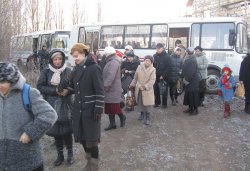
<point>97,117</point>
<point>219,93</point>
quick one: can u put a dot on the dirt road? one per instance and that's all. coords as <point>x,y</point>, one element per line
<point>174,141</point>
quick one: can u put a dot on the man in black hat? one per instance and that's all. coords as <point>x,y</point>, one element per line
<point>162,63</point>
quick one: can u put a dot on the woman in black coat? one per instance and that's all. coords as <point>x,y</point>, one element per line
<point>54,85</point>
<point>245,79</point>
<point>191,80</point>
<point>87,82</point>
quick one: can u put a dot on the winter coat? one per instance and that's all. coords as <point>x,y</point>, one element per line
<point>49,92</point>
<point>43,54</point>
<point>244,72</point>
<point>15,120</point>
<point>202,65</point>
<point>190,75</point>
<point>145,77</point>
<point>130,66</point>
<point>86,79</point>
<point>112,80</point>
<point>227,94</point>
<point>162,64</point>
<point>176,66</point>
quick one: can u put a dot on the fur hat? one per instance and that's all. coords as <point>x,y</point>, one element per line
<point>9,72</point>
<point>109,51</point>
<point>81,48</point>
<point>151,58</point>
<point>129,53</point>
<point>129,47</point>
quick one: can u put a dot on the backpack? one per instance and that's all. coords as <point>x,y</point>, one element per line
<point>26,97</point>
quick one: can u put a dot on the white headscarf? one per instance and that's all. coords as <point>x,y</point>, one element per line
<point>55,80</point>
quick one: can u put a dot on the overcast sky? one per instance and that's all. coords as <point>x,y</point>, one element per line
<point>128,10</point>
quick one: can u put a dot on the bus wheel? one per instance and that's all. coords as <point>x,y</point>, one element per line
<point>212,80</point>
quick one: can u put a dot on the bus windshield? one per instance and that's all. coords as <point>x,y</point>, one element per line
<point>213,36</point>
<point>241,40</point>
<point>59,41</point>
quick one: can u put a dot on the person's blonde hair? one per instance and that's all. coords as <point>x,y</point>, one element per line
<point>80,47</point>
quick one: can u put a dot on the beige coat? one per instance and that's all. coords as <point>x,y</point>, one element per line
<point>145,77</point>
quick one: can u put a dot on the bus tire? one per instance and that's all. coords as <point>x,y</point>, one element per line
<point>212,80</point>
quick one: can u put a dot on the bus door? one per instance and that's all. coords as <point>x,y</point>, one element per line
<point>176,34</point>
<point>35,44</point>
<point>45,39</point>
<point>92,39</point>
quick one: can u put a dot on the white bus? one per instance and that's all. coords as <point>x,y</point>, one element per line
<point>223,39</point>
<point>24,45</point>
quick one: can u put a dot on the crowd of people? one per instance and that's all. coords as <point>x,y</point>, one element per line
<point>72,102</point>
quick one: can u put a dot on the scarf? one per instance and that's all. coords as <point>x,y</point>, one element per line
<point>55,80</point>
<point>225,81</point>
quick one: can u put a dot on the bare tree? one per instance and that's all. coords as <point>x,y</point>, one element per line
<point>32,13</point>
<point>99,11</point>
<point>58,16</point>
<point>78,13</point>
<point>47,15</point>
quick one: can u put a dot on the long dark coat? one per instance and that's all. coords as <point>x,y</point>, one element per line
<point>89,100</point>
<point>63,124</point>
<point>245,77</point>
<point>190,74</point>
<point>176,66</point>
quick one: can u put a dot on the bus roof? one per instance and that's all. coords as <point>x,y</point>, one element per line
<point>168,21</point>
<point>36,34</point>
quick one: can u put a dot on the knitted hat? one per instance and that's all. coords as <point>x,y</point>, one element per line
<point>226,68</point>
<point>151,58</point>
<point>159,45</point>
<point>9,72</point>
<point>190,50</point>
<point>54,53</point>
<point>129,47</point>
<point>129,53</point>
<point>109,51</point>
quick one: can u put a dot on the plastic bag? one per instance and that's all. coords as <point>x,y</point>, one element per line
<point>240,90</point>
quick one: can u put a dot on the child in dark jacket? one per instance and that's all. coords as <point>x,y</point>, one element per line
<point>226,89</point>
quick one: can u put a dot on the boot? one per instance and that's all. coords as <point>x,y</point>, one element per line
<point>141,117</point>
<point>70,159</point>
<point>229,109</point>
<point>147,119</point>
<point>122,119</point>
<point>226,110</point>
<point>112,124</point>
<point>194,112</point>
<point>176,100</point>
<point>189,110</point>
<point>60,158</point>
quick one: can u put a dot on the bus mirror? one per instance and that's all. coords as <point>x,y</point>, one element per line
<point>231,37</point>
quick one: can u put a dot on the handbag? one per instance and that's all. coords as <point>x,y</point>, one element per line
<point>162,86</point>
<point>126,82</point>
<point>130,99</point>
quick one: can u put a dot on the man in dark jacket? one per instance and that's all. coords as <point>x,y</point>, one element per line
<point>176,66</point>
<point>43,57</point>
<point>162,63</point>
<point>245,79</point>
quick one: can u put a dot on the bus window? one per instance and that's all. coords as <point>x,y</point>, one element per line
<point>81,35</point>
<point>137,36</point>
<point>216,35</point>
<point>241,43</point>
<point>195,39</point>
<point>111,36</point>
<point>20,43</point>
<point>159,35</point>
<point>28,43</point>
<point>59,41</point>
<point>181,34</point>
<point>88,38</point>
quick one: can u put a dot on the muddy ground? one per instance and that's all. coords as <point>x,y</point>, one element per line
<point>174,141</point>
